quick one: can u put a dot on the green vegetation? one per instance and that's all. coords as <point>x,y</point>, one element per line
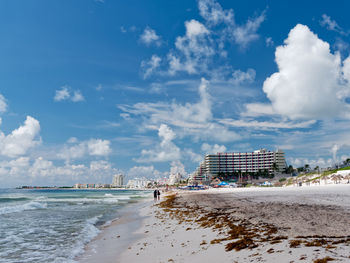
<point>344,168</point>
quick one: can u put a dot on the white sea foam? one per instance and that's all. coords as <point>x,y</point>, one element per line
<point>19,208</point>
<point>89,232</point>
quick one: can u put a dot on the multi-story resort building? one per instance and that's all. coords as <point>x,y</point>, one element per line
<point>118,180</point>
<point>248,162</point>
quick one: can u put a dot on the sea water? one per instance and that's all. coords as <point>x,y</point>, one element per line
<point>55,225</point>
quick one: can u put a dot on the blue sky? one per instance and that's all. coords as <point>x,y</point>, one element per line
<point>92,88</point>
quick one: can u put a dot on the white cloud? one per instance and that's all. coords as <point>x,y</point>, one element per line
<point>177,167</point>
<point>149,36</point>
<point>3,104</point>
<point>212,132</point>
<point>187,115</point>
<point>66,93</point>
<point>21,139</point>
<point>203,43</point>
<point>320,162</point>
<point>269,42</point>
<point>309,83</point>
<point>165,151</point>
<point>331,25</point>
<point>207,148</point>
<point>239,77</point>
<point>340,45</point>
<point>267,124</point>
<point>98,147</point>
<point>334,151</point>
<point>41,167</point>
<point>193,119</point>
<point>245,34</point>
<point>62,94</point>
<point>194,157</point>
<point>194,49</point>
<point>257,109</point>
<point>77,96</point>
<point>100,165</point>
<point>150,66</point>
<point>194,29</point>
<point>92,147</point>
<point>144,171</point>
<point>213,13</point>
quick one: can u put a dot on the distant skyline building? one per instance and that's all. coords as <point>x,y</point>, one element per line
<point>118,180</point>
<point>174,178</point>
<point>259,160</point>
<point>138,183</point>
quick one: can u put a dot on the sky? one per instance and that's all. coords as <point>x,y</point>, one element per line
<point>91,88</point>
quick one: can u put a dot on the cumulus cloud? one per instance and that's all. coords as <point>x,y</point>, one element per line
<point>204,42</point>
<point>165,151</point>
<point>20,140</point>
<point>149,36</point>
<point>194,49</point>
<point>66,93</point>
<point>214,14</point>
<point>144,171</point>
<point>177,167</point>
<point>310,82</point>
<point>3,104</point>
<point>207,148</point>
<point>320,162</point>
<point>242,34</point>
<point>194,157</point>
<point>98,147</point>
<point>92,147</point>
<point>334,151</point>
<point>149,66</point>
<point>41,171</point>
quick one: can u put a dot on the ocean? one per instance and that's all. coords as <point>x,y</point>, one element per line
<point>55,225</point>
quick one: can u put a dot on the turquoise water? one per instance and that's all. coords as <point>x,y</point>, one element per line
<point>54,225</point>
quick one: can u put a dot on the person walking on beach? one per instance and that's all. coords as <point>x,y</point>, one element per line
<point>155,194</point>
<point>158,194</point>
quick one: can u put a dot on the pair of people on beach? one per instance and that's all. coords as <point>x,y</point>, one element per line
<point>156,194</point>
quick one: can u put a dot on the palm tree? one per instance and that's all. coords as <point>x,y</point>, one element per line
<point>274,168</point>
<point>317,168</point>
<point>307,167</point>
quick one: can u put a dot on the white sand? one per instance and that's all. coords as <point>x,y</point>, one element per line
<point>318,210</point>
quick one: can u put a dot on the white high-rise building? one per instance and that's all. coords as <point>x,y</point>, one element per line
<point>118,180</point>
<point>174,179</point>
<point>246,162</point>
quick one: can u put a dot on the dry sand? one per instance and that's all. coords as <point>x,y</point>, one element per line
<point>245,225</point>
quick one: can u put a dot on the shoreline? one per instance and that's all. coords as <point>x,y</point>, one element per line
<point>115,237</point>
<point>294,224</point>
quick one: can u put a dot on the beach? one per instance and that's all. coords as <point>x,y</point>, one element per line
<point>293,224</point>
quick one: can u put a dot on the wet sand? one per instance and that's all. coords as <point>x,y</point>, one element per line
<point>116,237</point>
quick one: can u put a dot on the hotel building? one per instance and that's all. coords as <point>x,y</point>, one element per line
<point>260,160</point>
<point>118,180</point>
